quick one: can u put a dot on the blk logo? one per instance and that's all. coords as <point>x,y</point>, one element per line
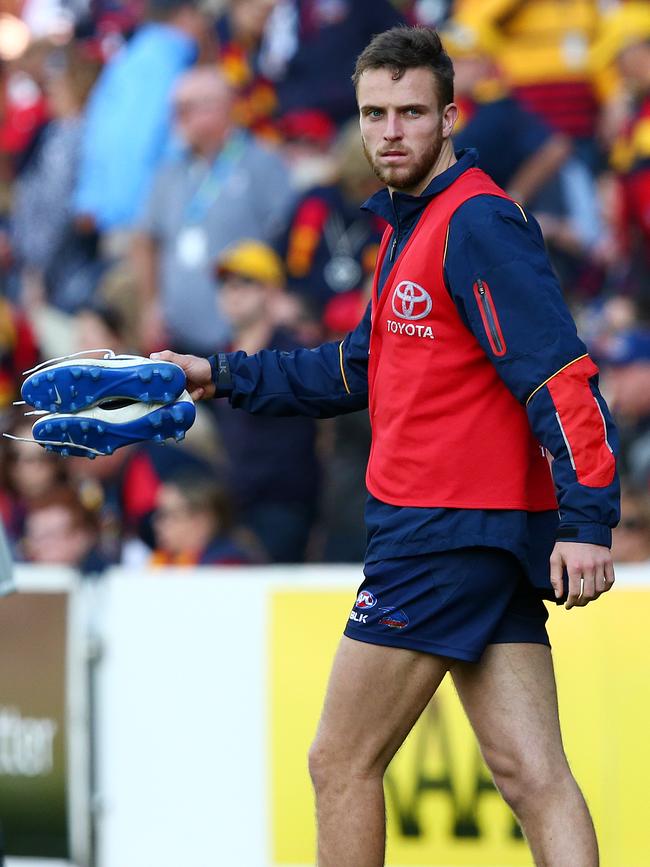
<point>411,301</point>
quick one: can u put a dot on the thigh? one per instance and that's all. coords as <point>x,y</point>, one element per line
<point>374,697</point>
<point>511,701</point>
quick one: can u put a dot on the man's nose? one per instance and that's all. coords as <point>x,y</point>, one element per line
<point>393,130</point>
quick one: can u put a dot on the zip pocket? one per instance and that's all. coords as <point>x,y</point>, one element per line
<point>489,317</point>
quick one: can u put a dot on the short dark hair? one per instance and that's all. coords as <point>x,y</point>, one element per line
<point>402,48</point>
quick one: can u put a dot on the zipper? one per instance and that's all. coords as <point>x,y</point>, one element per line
<point>489,317</point>
<point>393,246</point>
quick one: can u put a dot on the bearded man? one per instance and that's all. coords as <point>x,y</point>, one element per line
<point>471,367</point>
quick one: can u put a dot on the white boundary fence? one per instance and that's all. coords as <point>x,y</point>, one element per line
<point>168,710</point>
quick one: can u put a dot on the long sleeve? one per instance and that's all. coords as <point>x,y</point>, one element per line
<point>499,276</point>
<point>323,382</point>
<point>127,124</point>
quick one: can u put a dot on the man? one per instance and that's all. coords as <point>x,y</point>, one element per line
<point>303,38</point>
<point>127,122</point>
<point>517,149</point>
<point>468,359</point>
<point>273,467</point>
<point>224,187</point>
<point>544,52</point>
<point>625,41</point>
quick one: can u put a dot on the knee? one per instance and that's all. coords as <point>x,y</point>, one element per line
<point>332,766</point>
<point>527,784</point>
<point>322,765</point>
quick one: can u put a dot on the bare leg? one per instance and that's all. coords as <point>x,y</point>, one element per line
<point>374,697</point>
<point>511,702</point>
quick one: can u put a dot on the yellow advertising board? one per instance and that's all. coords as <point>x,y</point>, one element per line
<point>442,806</point>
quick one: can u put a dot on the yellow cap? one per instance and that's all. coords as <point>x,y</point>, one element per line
<point>251,259</point>
<point>626,25</point>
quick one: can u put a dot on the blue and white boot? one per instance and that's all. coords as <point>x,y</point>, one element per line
<point>77,382</point>
<point>101,429</point>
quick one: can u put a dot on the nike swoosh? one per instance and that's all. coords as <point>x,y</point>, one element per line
<point>58,398</point>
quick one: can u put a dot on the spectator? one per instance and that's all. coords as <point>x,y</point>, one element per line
<point>332,245</point>
<point>28,474</point>
<point>522,154</point>
<point>128,120</point>
<point>344,452</point>
<point>273,464</point>
<point>102,325</point>
<point>44,239</point>
<point>18,351</point>
<point>123,488</point>
<point>224,187</point>
<point>544,52</point>
<point>626,365</point>
<point>310,47</point>
<point>626,39</point>
<point>24,107</point>
<point>60,530</point>
<point>516,148</point>
<point>631,538</point>
<point>307,139</point>
<point>193,525</point>
<point>240,31</point>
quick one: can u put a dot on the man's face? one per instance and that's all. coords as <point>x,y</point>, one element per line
<point>202,114</point>
<point>402,126</point>
<point>243,301</point>
<point>179,528</point>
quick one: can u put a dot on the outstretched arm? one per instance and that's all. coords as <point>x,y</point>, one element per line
<point>329,380</point>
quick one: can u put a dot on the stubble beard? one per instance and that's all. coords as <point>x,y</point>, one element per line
<point>407,177</point>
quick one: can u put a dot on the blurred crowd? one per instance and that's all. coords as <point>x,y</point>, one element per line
<point>188,174</point>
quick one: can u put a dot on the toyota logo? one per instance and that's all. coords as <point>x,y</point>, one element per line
<point>411,301</point>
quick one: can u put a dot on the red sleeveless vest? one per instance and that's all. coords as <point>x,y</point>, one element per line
<point>445,429</point>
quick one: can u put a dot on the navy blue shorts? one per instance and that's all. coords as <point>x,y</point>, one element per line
<point>451,603</point>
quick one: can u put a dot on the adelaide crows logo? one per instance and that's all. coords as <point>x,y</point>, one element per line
<point>393,617</point>
<point>411,301</point>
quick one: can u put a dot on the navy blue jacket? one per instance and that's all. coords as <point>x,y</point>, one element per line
<point>492,237</point>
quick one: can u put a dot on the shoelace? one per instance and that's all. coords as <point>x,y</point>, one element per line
<point>108,353</point>
<point>63,444</point>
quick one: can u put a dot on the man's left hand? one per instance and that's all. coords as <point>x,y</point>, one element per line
<point>589,567</point>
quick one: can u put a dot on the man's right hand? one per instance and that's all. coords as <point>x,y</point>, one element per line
<point>197,371</point>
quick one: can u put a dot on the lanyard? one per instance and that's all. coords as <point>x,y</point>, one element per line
<point>213,183</point>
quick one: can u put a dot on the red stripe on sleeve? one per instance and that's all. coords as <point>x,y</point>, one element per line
<point>582,423</point>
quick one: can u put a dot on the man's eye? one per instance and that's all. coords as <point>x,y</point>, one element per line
<point>413,112</point>
<point>374,112</point>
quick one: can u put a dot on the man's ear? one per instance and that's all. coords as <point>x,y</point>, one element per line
<point>449,118</point>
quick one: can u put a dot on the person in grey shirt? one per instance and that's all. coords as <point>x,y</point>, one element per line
<point>224,186</point>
